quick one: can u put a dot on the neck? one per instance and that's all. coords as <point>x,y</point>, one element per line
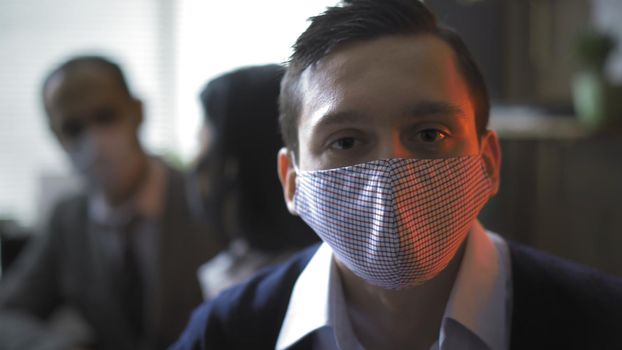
<point>136,179</point>
<point>395,319</point>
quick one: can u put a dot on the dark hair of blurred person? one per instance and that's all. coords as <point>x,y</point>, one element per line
<point>239,186</point>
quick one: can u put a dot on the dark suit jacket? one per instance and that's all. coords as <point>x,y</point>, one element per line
<point>556,305</point>
<point>64,266</point>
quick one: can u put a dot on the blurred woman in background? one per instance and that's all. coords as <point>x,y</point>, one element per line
<point>236,179</point>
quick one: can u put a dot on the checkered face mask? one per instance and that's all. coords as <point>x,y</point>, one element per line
<point>396,223</point>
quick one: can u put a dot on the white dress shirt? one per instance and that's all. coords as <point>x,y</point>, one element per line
<point>477,314</point>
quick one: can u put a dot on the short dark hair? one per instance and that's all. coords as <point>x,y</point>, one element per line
<point>361,20</point>
<point>78,61</point>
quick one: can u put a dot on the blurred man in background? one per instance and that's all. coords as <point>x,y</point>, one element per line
<point>126,251</point>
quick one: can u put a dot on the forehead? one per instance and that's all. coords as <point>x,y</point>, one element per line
<point>383,76</point>
<point>81,88</point>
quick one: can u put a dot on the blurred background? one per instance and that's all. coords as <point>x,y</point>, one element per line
<point>562,170</point>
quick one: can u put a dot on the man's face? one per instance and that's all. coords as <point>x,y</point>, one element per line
<point>393,97</point>
<point>96,122</point>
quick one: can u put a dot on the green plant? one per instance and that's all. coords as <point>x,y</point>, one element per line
<point>592,49</point>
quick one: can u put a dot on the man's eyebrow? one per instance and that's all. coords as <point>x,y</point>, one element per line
<point>428,108</point>
<point>339,118</point>
<point>421,109</point>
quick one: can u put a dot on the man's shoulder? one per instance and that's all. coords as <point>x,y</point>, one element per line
<point>557,302</point>
<point>550,270</point>
<point>68,211</point>
<point>71,200</point>
<point>248,315</point>
<point>269,286</point>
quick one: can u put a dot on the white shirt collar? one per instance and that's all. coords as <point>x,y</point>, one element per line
<point>309,305</point>
<point>478,300</point>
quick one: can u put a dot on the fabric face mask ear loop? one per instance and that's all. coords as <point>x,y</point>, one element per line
<point>293,159</point>
<point>480,154</point>
<point>292,155</point>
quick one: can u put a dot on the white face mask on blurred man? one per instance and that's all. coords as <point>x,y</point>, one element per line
<point>103,158</point>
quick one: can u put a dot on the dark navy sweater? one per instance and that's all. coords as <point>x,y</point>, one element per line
<point>556,305</point>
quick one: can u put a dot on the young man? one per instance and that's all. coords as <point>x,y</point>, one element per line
<point>124,254</point>
<point>389,160</point>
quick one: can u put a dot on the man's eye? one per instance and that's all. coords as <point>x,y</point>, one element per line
<point>431,135</point>
<point>106,116</point>
<point>343,143</point>
<point>72,129</point>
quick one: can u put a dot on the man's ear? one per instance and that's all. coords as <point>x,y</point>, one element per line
<point>287,176</point>
<point>137,112</point>
<point>491,153</point>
